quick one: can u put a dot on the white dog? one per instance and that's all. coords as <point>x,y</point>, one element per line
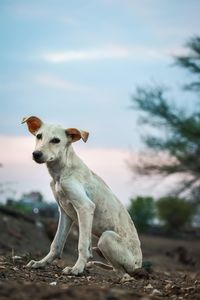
<point>85,199</point>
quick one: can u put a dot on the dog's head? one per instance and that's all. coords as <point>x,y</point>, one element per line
<point>52,140</point>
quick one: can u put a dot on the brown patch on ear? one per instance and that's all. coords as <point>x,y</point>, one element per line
<point>34,123</point>
<point>76,134</point>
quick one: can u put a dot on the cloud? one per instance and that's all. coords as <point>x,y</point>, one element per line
<point>59,83</point>
<point>111,51</point>
<point>107,52</point>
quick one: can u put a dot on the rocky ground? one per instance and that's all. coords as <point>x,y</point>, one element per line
<point>18,282</point>
<point>171,269</point>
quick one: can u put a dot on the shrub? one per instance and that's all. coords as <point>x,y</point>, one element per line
<point>142,212</point>
<point>175,212</point>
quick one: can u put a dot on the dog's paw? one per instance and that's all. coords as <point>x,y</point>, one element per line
<point>72,271</point>
<point>35,264</point>
<point>67,270</point>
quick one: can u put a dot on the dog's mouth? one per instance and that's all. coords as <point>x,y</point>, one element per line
<point>39,161</point>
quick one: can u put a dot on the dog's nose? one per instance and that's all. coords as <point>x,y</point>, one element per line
<point>37,154</point>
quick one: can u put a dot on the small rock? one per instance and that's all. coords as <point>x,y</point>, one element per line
<point>176,289</point>
<point>16,257</point>
<point>148,287</point>
<point>187,289</point>
<point>125,278</point>
<point>89,278</point>
<point>53,283</point>
<point>190,288</point>
<point>76,281</point>
<point>156,292</point>
<point>168,286</point>
<point>83,278</point>
<point>168,281</point>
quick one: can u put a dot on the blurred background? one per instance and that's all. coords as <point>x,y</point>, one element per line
<point>129,73</point>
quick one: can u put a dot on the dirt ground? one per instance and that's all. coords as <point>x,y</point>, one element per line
<point>171,269</point>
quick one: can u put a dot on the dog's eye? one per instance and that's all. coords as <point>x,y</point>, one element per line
<point>39,136</point>
<point>55,141</point>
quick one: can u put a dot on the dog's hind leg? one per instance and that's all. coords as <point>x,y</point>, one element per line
<point>119,253</point>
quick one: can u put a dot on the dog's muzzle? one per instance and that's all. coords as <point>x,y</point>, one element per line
<point>38,156</point>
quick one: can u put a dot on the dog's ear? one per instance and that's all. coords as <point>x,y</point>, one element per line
<point>34,123</point>
<point>77,134</point>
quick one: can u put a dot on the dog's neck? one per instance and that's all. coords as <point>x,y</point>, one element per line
<point>65,162</point>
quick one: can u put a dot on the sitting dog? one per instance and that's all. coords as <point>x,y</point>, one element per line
<point>85,199</point>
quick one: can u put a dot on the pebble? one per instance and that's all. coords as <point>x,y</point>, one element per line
<point>126,278</point>
<point>168,286</point>
<point>148,287</point>
<point>89,278</point>
<point>175,288</point>
<point>187,289</point>
<point>53,283</point>
<point>168,281</point>
<point>156,292</point>
<point>76,281</point>
<point>16,257</point>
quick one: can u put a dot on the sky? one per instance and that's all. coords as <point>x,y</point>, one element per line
<point>77,63</point>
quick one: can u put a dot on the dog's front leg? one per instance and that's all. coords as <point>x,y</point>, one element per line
<point>85,211</point>
<point>58,243</point>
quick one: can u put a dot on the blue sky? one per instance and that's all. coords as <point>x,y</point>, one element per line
<point>77,63</point>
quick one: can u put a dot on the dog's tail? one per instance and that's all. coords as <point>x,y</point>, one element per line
<point>99,264</point>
